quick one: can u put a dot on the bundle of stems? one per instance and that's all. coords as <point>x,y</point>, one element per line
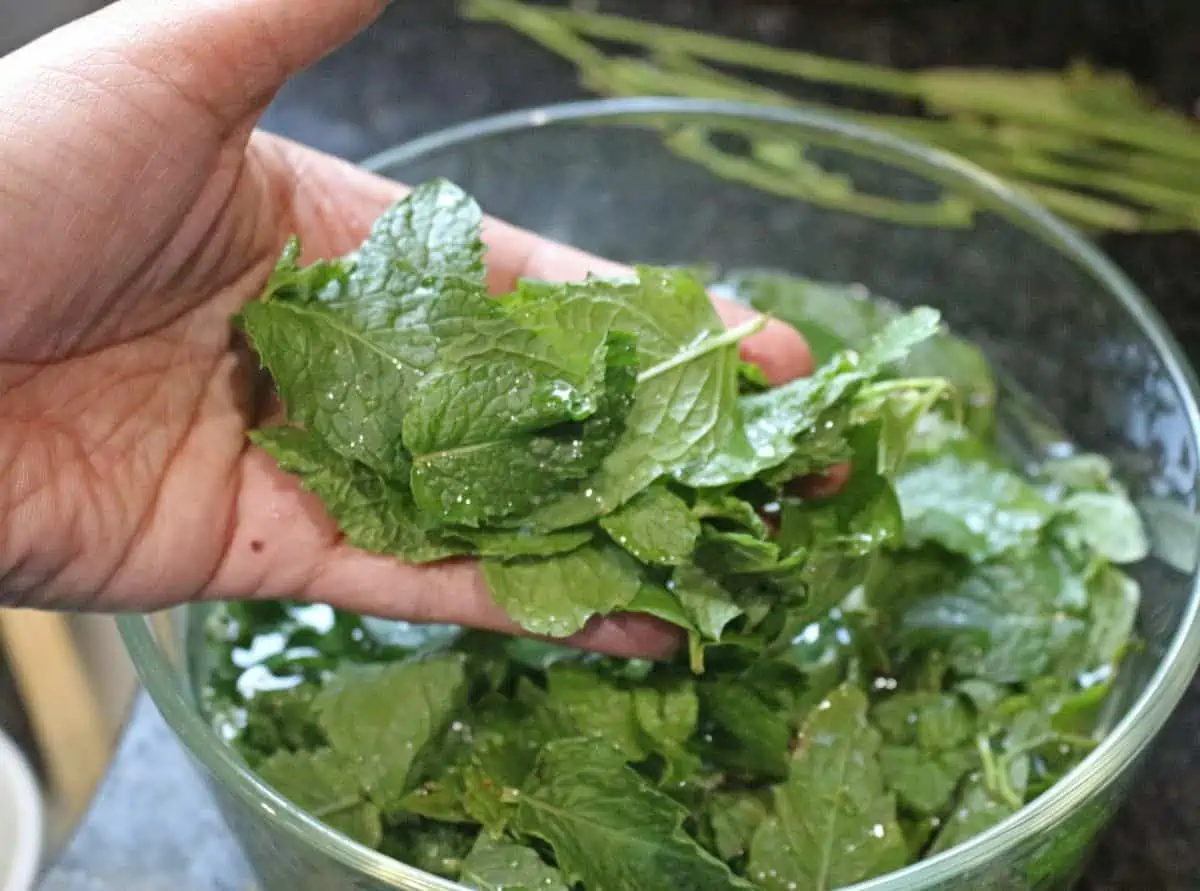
<point>1085,143</point>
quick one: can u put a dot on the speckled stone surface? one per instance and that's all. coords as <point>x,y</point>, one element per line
<point>154,827</point>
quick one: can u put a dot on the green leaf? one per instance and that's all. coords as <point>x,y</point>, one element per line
<point>1108,524</point>
<point>387,721</point>
<point>735,817</point>
<point>667,717</point>
<point>708,606</point>
<point>970,506</point>
<point>373,513</point>
<point>922,781</point>
<point>439,848</point>
<point>833,317</point>
<point>504,866</point>
<point>834,824</point>
<point>977,809</point>
<point>610,830</point>
<point>791,426</point>
<point>1004,622</point>
<point>556,596</point>
<point>346,342</point>
<point>749,732</point>
<point>656,526</point>
<point>932,721</point>
<point>1114,600</point>
<point>720,508</point>
<point>324,784</point>
<point>506,417</point>
<point>507,544</point>
<point>597,708</point>
<point>686,397</point>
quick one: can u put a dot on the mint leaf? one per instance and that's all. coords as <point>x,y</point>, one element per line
<point>1109,525</point>
<point>789,425</point>
<point>597,708</point>
<point>707,605</point>
<point>721,509</point>
<point>1004,622</point>
<point>932,721</point>
<point>346,342</point>
<point>610,829</point>
<point>686,398</point>
<point>734,818</point>
<point>503,866</point>
<point>924,782</point>
<point>977,809</point>
<point>373,513</point>
<point>1114,600</point>
<point>401,710</point>
<point>511,543</point>
<point>970,506</point>
<point>833,823</point>
<point>323,783</point>
<point>656,526</point>
<point>556,596</point>
<point>498,424</point>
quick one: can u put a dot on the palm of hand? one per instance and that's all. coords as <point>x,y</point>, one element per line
<point>143,210</point>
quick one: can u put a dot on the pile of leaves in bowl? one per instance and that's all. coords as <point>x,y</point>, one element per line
<point>870,678</point>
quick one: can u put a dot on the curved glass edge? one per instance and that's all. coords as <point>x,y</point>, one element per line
<point>1116,753</point>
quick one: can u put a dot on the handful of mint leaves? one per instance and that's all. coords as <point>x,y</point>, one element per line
<point>872,678</point>
<point>598,443</point>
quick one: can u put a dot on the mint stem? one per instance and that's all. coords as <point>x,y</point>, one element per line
<point>709,344</point>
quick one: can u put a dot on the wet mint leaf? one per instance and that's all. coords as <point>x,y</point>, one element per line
<point>924,782</point>
<point>597,708</point>
<point>750,733</point>
<point>833,822</point>
<point>439,848</point>
<point>656,526</point>
<point>347,341</point>
<point>500,423</point>
<point>504,866</point>
<point>610,829</point>
<point>685,403</point>
<point>976,810</point>
<point>667,717</point>
<point>556,596</point>
<point>1004,622</point>
<point>1109,524</point>
<point>970,506</point>
<point>1114,600</point>
<point>723,509</point>
<point>734,818</point>
<point>325,784</point>
<point>833,317</point>
<point>932,721</point>
<point>374,513</point>
<point>386,722</point>
<point>777,421</point>
<point>707,605</point>
<point>507,544</point>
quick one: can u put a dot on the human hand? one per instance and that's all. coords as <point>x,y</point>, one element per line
<point>139,208</point>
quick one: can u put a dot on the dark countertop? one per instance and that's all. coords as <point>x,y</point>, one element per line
<point>153,826</point>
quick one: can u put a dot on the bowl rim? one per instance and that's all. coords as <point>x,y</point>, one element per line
<point>1119,750</point>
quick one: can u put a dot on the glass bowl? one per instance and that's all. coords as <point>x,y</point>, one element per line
<point>680,181</point>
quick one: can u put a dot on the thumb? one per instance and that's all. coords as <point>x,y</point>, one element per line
<point>226,57</point>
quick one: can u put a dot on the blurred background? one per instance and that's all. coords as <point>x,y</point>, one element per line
<point>66,690</point>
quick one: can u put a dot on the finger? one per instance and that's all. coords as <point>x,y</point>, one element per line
<point>822,485</point>
<point>513,252</point>
<point>283,546</point>
<point>225,57</point>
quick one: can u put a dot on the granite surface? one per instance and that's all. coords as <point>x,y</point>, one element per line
<point>154,827</point>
